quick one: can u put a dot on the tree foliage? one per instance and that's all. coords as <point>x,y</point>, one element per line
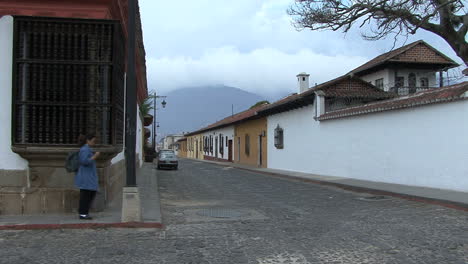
<point>259,104</point>
<point>446,18</point>
<point>147,105</point>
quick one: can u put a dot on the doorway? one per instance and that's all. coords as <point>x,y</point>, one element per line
<point>230,150</point>
<point>238,149</point>
<point>216,147</point>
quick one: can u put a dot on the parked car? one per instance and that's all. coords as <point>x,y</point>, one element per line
<point>167,159</point>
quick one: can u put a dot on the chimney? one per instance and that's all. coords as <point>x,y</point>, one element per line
<point>303,81</point>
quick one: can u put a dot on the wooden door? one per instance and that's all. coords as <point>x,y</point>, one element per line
<point>230,150</point>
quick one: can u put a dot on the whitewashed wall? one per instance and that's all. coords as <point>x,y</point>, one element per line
<point>226,132</point>
<point>424,146</point>
<point>8,159</point>
<point>384,74</point>
<point>139,143</point>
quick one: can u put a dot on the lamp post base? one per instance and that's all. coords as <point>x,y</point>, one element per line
<point>131,205</point>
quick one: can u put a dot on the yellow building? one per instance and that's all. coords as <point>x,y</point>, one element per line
<point>182,148</point>
<point>250,142</point>
<point>195,146</point>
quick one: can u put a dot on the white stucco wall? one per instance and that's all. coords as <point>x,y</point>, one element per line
<point>139,143</point>
<point>8,159</point>
<point>382,74</point>
<point>424,146</point>
<point>140,139</point>
<point>226,132</point>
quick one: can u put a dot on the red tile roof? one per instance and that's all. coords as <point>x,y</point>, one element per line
<point>416,52</point>
<point>350,87</point>
<point>432,96</point>
<point>247,114</point>
<point>343,87</point>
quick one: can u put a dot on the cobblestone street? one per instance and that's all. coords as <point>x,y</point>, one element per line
<point>218,215</point>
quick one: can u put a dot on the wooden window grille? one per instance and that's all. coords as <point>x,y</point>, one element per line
<point>221,144</point>
<point>68,79</point>
<point>279,137</point>
<point>211,144</point>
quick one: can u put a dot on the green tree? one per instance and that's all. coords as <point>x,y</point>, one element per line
<point>147,105</point>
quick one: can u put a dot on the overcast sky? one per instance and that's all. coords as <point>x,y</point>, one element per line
<point>249,44</point>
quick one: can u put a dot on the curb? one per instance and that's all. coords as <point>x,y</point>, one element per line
<point>415,198</point>
<point>81,226</point>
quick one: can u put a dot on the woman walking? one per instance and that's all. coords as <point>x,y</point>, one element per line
<point>86,179</point>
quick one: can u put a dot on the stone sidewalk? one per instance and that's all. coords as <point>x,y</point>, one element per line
<point>448,198</point>
<point>111,217</point>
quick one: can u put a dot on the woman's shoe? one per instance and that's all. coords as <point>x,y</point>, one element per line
<point>85,217</point>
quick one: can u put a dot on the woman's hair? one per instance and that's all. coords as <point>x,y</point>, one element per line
<point>82,139</point>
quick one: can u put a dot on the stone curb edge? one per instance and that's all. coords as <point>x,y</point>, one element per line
<point>81,226</point>
<point>421,199</point>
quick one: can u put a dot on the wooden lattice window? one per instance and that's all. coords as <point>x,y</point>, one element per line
<point>68,79</point>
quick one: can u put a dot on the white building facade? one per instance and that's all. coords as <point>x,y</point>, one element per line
<point>169,142</point>
<point>406,70</point>
<point>423,146</point>
<point>219,144</point>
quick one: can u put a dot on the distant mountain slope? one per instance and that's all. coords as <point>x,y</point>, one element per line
<point>192,108</point>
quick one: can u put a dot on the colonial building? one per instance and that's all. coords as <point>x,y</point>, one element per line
<point>251,142</point>
<point>402,140</point>
<point>386,121</point>
<point>406,70</point>
<point>220,140</point>
<point>218,144</point>
<point>62,73</point>
<point>182,147</point>
<point>170,142</point>
<point>195,146</point>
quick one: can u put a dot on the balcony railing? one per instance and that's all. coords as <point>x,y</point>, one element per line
<point>406,90</point>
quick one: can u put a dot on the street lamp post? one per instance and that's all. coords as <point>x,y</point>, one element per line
<point>163,103</point>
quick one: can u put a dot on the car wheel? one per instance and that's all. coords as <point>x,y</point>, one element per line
<point>158,167</point>
<point>176,168</point>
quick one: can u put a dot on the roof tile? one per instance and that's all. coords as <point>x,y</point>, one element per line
<point>437,95</point>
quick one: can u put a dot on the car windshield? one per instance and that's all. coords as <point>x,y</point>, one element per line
<point>167,155</point>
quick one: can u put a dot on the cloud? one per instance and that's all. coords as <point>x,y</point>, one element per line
<point>265,71</point>
<point>250,44</point>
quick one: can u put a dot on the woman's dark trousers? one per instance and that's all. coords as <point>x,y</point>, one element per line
<point>86,198</point>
